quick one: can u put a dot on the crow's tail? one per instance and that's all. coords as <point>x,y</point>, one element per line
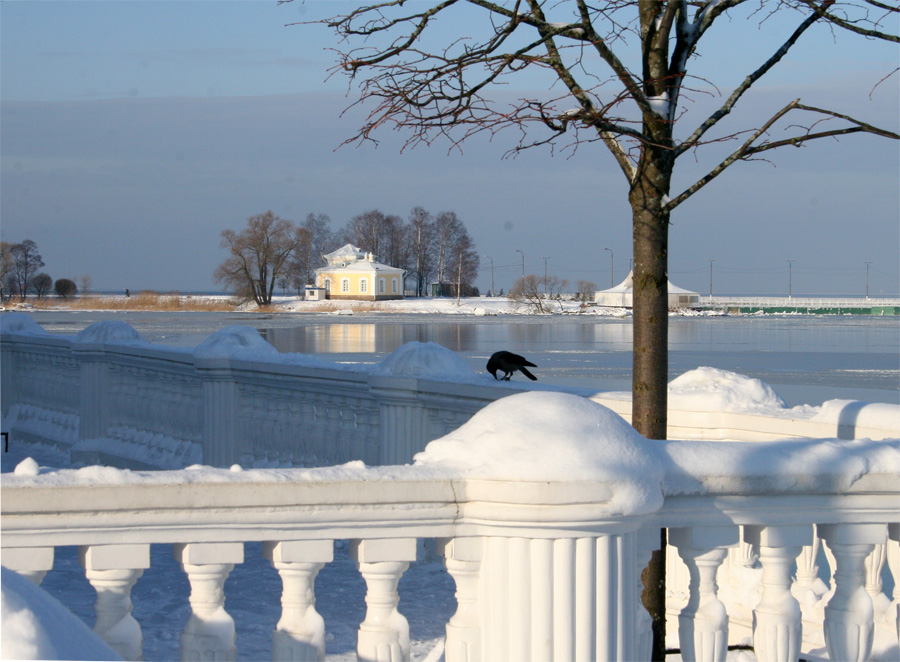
<point>525,372</point>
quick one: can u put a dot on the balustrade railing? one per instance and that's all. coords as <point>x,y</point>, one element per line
<point>543,570</point>
<point>108,397</point>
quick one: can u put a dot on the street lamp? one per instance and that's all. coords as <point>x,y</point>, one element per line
<point>523,263</point>
<point>867,278</point>
<point>612,265</point>
<point>790,278</point>
<point>710,278</point>
<point>545,274</point>
<point>492,272</point>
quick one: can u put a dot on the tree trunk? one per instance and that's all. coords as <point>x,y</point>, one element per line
<point>650,345</point>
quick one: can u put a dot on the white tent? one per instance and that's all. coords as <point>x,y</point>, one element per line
<point>622,295</point>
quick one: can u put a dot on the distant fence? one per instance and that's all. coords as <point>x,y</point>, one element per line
<point>872,305</point>
<point>108,397</point>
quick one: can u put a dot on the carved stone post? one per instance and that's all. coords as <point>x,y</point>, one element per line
<point>113,570</point>
<point>384,634</point>
<point>402,420</point>
<point>33,563</point>
<point>219,411</point>
<point>703,623</point>
<point>300,633</point>
<point>777,622</point>
<point>209,633</point>
<point>647,542</point>
<point>849,615</point>
<point>463,559</point>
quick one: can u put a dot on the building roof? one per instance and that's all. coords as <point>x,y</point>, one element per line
<point>351,259</point>
<point>627,285</point>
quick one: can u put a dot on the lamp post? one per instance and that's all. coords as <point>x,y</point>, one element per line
<point>545,275</point>
<point>492,272</point>
<point>868,262</point>
<point>711,260</point>
<point>790,278</point>
<point>612,265</point>
<point>523,263</point>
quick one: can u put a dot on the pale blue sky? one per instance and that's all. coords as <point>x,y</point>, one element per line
<point>132,133</point>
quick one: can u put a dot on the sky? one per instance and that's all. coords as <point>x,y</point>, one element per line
<point>132,133</point>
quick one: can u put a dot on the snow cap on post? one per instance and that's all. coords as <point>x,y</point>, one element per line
<point>109,332</point>
<point>549,437</point>
<point>423,359</point>
<point>21,323</point>
<point>236,341</point>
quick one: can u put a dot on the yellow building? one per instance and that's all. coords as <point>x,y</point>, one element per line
<point>350,273</point>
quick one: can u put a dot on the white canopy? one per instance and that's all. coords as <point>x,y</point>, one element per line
<point>622,295</point>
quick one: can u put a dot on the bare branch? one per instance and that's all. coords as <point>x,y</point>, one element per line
<point>747,150</point>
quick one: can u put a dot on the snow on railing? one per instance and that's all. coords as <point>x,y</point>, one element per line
<point>108,397</point>
<point>545,508</point>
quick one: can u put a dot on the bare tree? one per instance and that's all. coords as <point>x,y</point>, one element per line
<point>6,268</point>
<point>258,256</point>
<point>26,260</point>
<point>86,284</point>
<point>616,75</point>
<point>421,232</point>
<point>40,284</point>
<point>529,289</point>
<point>585,290</point>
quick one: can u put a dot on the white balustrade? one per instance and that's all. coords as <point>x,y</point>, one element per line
<point>114,400</point>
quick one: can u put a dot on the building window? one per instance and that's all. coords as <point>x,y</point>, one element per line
<point>363,285</point>
<point>345,285</point>
<point>327,285</point>
<point>393,285</point>
<point>381,285</point>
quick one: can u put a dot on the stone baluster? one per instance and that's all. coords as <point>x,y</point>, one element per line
<point>300,633</point>
<point>849,615</point>
<point>777,622</point>
<point>384,634</point>
<point>893,559</point>
<point>874,566</point>
<point>113,570</point>
<point>33,563</point>
<point>805,586</point>
<point>209,632</point>
<point>462,557</point>
<point>703,623</point>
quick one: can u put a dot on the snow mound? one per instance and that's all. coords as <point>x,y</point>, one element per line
<point>21,323</point>
<point>711,389</point>
<point>234,340</point>
<point>35,626</point>
<point>109,332</point>
<point>544,436</point>
<point>423,359</point>
<point>27,467</point>
<point>859,414</point>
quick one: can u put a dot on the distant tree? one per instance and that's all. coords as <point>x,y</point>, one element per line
<point>585,291</point>
<point>26,260</point>
<point>86,284</point>
<point>422,240</point>
<point>6,268</point>
<point>258,256</point>
<point>529,290</point>
<point>40,285</point>
<point>318,241</point>
<point>65,287</point>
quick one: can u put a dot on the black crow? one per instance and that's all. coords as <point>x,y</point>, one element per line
<point>509,363</point>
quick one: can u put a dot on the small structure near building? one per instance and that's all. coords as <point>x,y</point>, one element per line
<point>350,273</point>
<point>313,293</point>
<point>622,295</point>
